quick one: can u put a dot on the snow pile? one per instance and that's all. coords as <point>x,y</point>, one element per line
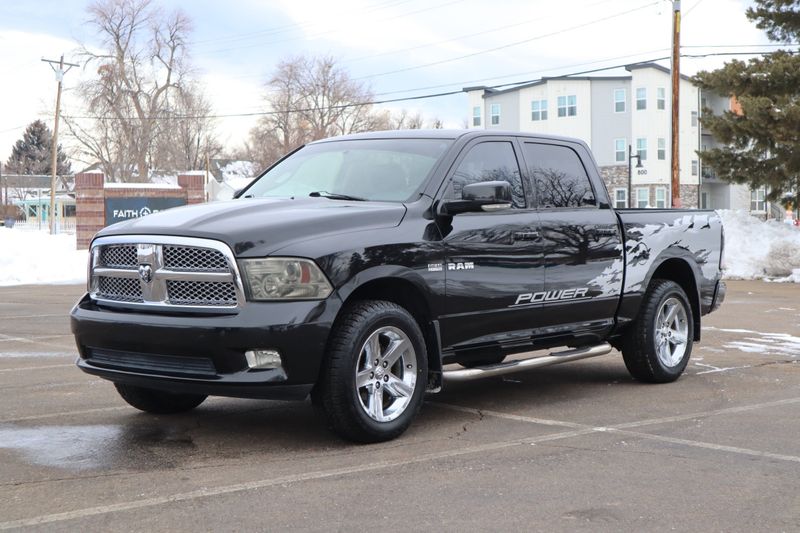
<point>755,249</point>
<point>36,257</point>
<point>238,170</point>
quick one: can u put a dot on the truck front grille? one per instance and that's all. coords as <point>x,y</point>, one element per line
<point>165,272</point>
<point>201,293</point>
<point>151,363</point>
<point>189,258</point>
<point>121,256</point>
<point>120,289</point>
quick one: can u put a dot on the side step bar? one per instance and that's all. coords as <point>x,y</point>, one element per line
<point>500,369</point>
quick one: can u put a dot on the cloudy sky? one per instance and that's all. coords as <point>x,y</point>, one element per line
<point>400,48</point>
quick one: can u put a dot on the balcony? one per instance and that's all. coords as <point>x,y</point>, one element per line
<point>709,174</point>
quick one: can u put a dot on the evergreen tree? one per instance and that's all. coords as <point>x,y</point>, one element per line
<point>32,154</point>
<point>762,132</point>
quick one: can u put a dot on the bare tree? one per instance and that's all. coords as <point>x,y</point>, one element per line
<point>188,135</point>
<point>309,99</point>
<point>141,70</point>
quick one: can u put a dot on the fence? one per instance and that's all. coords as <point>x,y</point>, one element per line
<point>63,226</point>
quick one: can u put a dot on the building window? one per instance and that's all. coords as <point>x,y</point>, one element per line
<point>662,148</point>
<point>661,197</point>
<point>641,99</point>
<point>641,148</point>
<point>476,115</point>
<point>661,98</point>
<point>758,200</point>
<point>694,119</point>
<point>695,167</point>
<point>620,198</point>
<point>619,150</point>
<point>539,110</point>
<point>619,100</point>
<point>642,198</point>
<point>495,114</point>
<point>567,106</point>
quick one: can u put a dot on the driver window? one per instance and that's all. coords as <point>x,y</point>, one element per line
<point>489,161</point>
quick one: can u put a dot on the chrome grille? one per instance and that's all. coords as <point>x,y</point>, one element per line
<point>120,289</point>
<point>201,293</point>
<point>123,256</point>
<point>195,259</point>
<point>165,272</point>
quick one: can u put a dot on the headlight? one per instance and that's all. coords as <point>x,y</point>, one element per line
<point>281,278</point>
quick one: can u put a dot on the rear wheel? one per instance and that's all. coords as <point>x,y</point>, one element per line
<point>375,373</point>
<point>157,401</point>
<point>659,343</point>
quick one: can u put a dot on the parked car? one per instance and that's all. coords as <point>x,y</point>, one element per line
<point>358,270</point>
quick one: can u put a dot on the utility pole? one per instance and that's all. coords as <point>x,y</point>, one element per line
<point>54,161</point>
<point>676,84</point>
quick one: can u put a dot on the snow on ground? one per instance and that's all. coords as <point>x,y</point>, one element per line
<point>755,249</point>
<point>36,257</point>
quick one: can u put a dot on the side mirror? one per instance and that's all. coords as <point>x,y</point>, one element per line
<point>481,196</point>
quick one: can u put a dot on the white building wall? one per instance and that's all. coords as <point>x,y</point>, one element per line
<point>579,126</point>
<point>475,99</point>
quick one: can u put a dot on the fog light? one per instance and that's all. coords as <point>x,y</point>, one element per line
<point>263,359</point>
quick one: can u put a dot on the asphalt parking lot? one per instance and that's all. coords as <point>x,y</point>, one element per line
<point>574,447</point>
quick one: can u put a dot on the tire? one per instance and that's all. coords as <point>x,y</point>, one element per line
<point>363,402</point>
<point>157,401</point>
<point>484,361</point>
<point>658,346</point>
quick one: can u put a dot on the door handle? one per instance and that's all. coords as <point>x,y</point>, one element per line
<point>609,232</point>
<point>526,235</point>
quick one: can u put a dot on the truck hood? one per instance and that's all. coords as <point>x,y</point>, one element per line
<point>256,227</point>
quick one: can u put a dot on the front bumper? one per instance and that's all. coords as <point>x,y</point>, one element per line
<point>205,354</point>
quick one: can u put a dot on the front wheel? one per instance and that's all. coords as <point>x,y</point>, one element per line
<point>375,373</point>
<point>659,343</point>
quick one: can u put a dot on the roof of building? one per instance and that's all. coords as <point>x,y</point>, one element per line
<point>545,79</point>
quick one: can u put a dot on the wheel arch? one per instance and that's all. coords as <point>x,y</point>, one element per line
<point>680,271</point>
<point>406,288</point>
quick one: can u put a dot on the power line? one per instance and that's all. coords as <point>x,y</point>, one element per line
<point>307,22</point>
<point>335,30</point>
<point>508,45</point>
<point>416,97</point>
<point>527,72</point>
<point>739,45</point>
<point>466,36</point>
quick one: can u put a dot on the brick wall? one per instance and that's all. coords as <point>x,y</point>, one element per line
<point>90,195</point>
<point>89,207</point>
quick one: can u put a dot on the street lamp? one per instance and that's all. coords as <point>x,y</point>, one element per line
<point>631,156</point>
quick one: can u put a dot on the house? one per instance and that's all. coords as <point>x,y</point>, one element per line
<point>621,117</point>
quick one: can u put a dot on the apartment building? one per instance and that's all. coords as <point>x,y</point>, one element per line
<point>620,117</point>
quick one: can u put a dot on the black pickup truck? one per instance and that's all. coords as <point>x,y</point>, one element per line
<point>366,270</point>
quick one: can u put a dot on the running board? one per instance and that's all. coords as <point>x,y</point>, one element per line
<point>500,369</point>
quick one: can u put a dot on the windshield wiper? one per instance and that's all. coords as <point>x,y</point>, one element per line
<point>336,196</point>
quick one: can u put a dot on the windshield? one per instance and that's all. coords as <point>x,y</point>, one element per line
<point>391,170</point>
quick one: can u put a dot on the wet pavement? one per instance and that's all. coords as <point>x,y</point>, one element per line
<point>573,447</point>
